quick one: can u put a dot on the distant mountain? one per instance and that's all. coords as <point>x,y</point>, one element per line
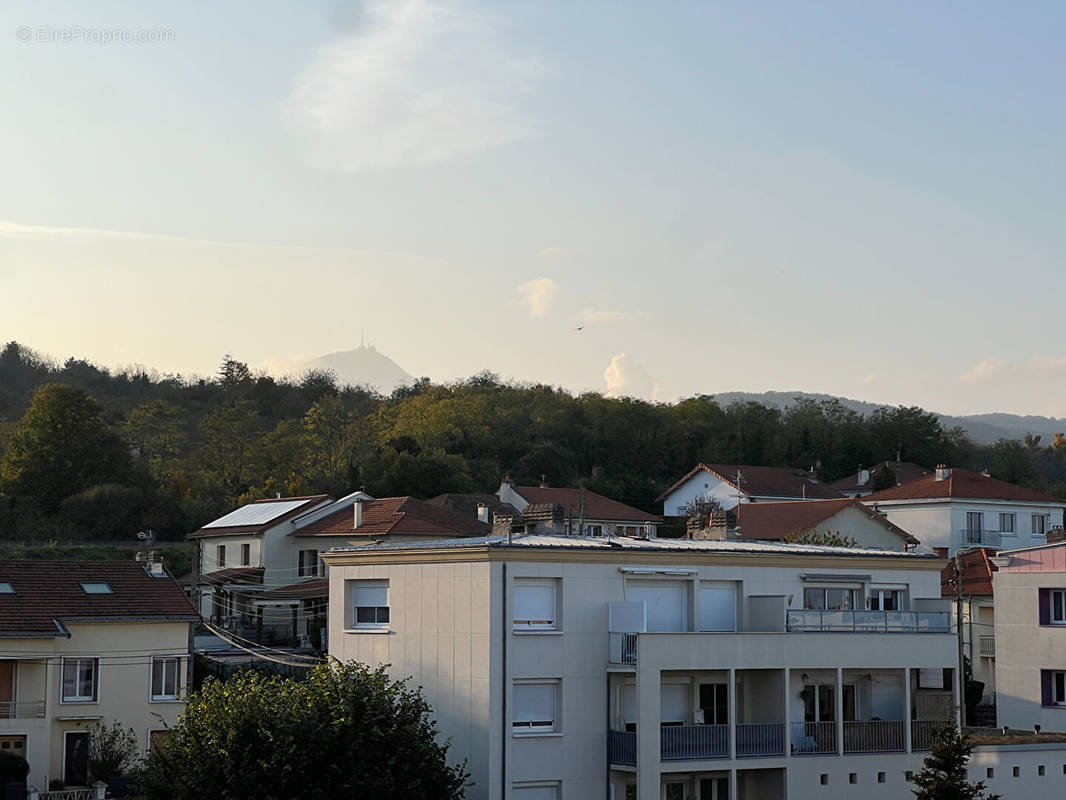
<point>982,428</point>
<point>364,366</point>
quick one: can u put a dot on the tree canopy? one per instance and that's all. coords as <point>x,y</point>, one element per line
<point>345,730</point>
<point>943,776</point>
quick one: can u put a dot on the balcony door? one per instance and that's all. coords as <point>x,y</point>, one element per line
<point>714,703</point>
<point>974,523</point>
<point>714,788</point>
<point>76,758</point>
<point>819,703</point>
<point>7,688</point>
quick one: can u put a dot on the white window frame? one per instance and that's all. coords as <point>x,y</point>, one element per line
<point>1043,526</point>
<point>246,554</point>
<point>1004,516</point>
<point>377,623</point>
<point>305,569</point>
<point>79,698</point>
<point>536,725</point>
<point>878,593</point>
<point>856,596</point>
<point>1057,600</point>
<point>594,529</point>
<point>518,793</point>
<point>167,663</point>
<point>520,624</point>
<point>220,555</point>
<point>1058,687</point>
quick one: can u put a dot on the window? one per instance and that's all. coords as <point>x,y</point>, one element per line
<point>534,604</point>
<point>370,600</point>
<point>718,607</point>
<point>535,705</point>
<point>974,525</point>
<point>1058,606</point>
<point>79,680</point>
<point>220,555</point>
<point>829,599</point>
<point>990,773</point>
<point>665,603</point>
<point>880,777</point>
<point>594,529</point>
<point>308,564</point>
<point>1040,524</point>
<point>1016,772</point>
<point>165,676</point>
<point>886,600</point>
<point>96,587</point>
<point>632,531</point>
<point>246,555</point>
<point>824,779</point>
<point>1041,770</point>
<point>819,704</point>
<point>674,706</point>
<point>535,791</point>
<point>714,702</point>
<point>6,588</point>
<point>1006,524</point>
<point>1053,687</point>
<point>853,777</point>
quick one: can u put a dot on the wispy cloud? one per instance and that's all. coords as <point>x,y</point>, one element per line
<point>416,82</point>
<point>596,316</point>
<point>626,378</point>
<point>538,295</point>
<point>1043,369</point>
<point>550,252</point>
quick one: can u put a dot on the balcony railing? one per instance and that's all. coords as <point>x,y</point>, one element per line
<point>622,747</point>
<point>873,736</point>
<point>988,646</point>
<point>22,710</point>
<point>923,731</point>
<point>980,538</point>
<point>623,648</point>
<point>760,739</point>
<point>814,620</point>
<point>811,738</point>
<point>694,742</point>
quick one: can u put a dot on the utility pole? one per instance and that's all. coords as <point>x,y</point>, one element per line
<point>960,680</point>
<point>581,509</point>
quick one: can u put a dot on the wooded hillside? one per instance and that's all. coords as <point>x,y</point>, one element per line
<point>90,454</point>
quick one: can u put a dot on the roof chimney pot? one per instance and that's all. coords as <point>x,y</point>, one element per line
<point>942,472</point>
<point>482,513</point>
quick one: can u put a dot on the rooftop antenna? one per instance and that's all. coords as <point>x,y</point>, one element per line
<point>361,339</point>
<point>739,478</point>
<point>899,470</point>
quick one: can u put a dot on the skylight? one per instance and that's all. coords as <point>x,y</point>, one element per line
<point>6,588</point>
<point>98,587</point>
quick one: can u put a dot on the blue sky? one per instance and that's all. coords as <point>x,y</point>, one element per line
<point>860,200</point>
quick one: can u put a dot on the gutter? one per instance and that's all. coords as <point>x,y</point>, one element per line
<point>504,738</point>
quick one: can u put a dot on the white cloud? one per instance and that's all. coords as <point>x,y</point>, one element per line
<point>626,378</point>
<point>549,252</point>
<point>595,316</point>
<point>870,377</point>
<point>286,366</point>
<point>1038,369</point>
<point>416,82</point>
<point>538,295</point>
<point>988,370</point>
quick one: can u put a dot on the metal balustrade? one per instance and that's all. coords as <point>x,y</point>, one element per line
<point>873,736</point>
<point>622,747</point>
<point>822,621</point>
<point>923,731</point>
<point>760,739</point>
<point>988,646</point>
<point>623,648</point>
<point>811,738</point>
<point>693,742</point>
<point>983,538</point>
<point>25,709</point>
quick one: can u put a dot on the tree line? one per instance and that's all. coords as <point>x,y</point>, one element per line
<point>89,453</point>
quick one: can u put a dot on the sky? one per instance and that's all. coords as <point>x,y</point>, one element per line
<point>657,200</point>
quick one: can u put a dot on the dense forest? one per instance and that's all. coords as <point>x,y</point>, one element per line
<point>92,454</point>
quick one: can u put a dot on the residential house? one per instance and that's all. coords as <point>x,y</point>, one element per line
<point>570,667</point>
<point>548,509</point>
<point>959,508</point>
<point>277,588</point>
<point>976,570</point>
<point>884,475</point>
<point>731,484</point>
<point>85,644</point>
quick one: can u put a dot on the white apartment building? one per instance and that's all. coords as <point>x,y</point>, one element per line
<point>83,644</point>
<point>959,508</point>
<point>566,668</point>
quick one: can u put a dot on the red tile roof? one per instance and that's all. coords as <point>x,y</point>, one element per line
<point>908,471</point>
<point>762,481</point>
<point>962,483</point>
<point>310,501</point>
<point>977,571</point>
<point>775,521</point>
<point>397,515</point>
<point>50,592</point>
<point>596,505</point>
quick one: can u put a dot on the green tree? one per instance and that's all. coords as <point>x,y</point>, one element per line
<point>328,438</point>
<point>827,539</point>
<point>943,776</point>
<point>156,430</point>
<point>345,731</point>
<point>113,751</point>
<point>62,445</point>
<point>226,438</point>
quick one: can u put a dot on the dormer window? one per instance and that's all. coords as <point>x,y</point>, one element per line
<point>6,588</point>
<point>96,587</point>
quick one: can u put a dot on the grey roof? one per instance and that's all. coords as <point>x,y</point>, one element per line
<point>563,542</point>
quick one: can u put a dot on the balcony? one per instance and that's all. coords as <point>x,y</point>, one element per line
<point>974,538</point>
<point>923,731</point>
<point>623,648</point>
<point>694,742</point>
<point>818,621</point>
<point>760,739</point>
<point>814,738</point>
<point>622,747</point>
<point>988,646</point>
<point>31,709</point>
<point>873,736</point>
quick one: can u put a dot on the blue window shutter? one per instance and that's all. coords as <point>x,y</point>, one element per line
<point>1045,606</point>
<point>1046,695</point>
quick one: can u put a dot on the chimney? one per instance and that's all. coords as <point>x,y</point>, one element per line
<point>942,472</point>
<point>357,521</point>
<point>941,551</point>
<point>482,513</point>
<point>543,481</point>
<point>864,477</point>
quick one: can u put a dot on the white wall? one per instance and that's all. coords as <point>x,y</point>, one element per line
<point>702,483</point>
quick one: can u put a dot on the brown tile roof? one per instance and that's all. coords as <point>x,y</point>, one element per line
<point>50,592</point>
<point>775,521</point>
<point>762,481</point>
<point>310,501</point>
<point>397,515</point>
<point>977,571</point>
<point>467,503</point>
<point>908,471</point>
<point>962,483</point>
<point>596,505</point>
